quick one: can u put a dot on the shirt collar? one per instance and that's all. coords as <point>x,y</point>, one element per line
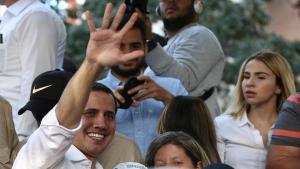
<point>115,82</point>
<point>74,154</point>
<point>16,8</point>
<point>244,120</point>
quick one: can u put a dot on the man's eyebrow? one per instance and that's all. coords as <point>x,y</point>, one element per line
<point>90,109</point>
<point>111,112</point>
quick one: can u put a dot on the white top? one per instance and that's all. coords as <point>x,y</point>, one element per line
<point>50,146</point>
<point>34,39</point>
<point>240,145</point>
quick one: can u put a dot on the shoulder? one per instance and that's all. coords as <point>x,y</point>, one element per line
<point>295,99</point>
<point>291,107</point>
<point>5,107</point>
<point>201,36</point>
<point>122,140</point>
<point>173,85</point>
<point>109,82</point>
<point>120,149</point>
<point>40,14</point>
<point>197,31</point>
<point>37,7</point>
<point>3,101</point>
<point>224,118</point>
<point>226,121</point>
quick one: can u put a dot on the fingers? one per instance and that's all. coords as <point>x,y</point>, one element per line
<point>90,21</point>
<point>132,55</point>
<point>118,17</point>
<point>129,24</point>
<point>140,14</point>
<point>146,94</point>
<point>135,103</point>
<point>145,78</point>
<point>106,17</point>
<point>118,95</point>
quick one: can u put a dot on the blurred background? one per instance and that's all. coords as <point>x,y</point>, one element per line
<point>242,26</point>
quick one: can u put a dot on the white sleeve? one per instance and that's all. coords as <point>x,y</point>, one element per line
<point>47,145</point>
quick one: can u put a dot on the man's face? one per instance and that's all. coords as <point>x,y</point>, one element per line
<point>176,13</point>
<point>98,127</point>
<point>131,41</point>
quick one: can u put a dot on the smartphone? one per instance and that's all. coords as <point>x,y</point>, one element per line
<point>130,6</point>
<point>139,4</point>
<point>130,83</point>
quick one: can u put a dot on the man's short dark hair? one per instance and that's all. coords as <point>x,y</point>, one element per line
<point>101,87</point>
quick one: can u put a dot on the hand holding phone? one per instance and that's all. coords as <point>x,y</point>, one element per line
<point>130,84</point>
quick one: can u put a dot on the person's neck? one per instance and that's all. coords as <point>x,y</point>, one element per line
<point>171,33</point>
<point>264,113</point>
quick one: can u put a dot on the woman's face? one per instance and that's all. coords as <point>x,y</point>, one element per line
<point>259,84</point>
<point>173,156</point>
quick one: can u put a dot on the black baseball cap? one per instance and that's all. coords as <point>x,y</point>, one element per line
<point>46,90</point>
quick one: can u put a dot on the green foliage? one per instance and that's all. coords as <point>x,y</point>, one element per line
<point>240,27</point>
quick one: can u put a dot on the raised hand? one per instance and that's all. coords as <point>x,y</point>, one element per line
<point>103,50</point>
<point>104,43</point>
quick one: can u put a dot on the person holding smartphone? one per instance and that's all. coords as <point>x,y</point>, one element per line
<point>140,120</point>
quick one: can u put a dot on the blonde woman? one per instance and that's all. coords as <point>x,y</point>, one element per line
<point>243,133</point>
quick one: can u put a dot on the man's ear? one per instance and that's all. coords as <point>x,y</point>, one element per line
<point>199,165</point>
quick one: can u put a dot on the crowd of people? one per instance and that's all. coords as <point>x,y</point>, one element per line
<point>168,117</point>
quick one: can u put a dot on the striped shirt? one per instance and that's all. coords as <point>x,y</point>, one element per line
<point>287,128</point>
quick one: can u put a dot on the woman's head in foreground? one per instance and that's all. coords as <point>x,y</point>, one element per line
<point>176,149</point>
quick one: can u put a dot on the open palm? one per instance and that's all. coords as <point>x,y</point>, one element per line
<point>104,43</point>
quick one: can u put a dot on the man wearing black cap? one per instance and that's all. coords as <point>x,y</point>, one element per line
<point>42,99</point>
<point>46,90</point>
<point>193,53</point>
<point>68,138</point>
